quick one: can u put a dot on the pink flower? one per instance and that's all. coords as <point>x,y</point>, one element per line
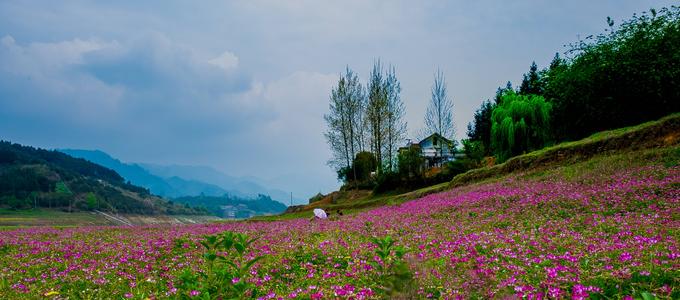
<point>625,256</point>
<point>554,292</point>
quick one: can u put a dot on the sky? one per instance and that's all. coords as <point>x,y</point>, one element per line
<point>242,86</point>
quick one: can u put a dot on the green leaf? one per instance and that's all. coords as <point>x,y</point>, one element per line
<point>232,264</point>
<point>250,263</point>
<point>647,296</point>
<point>251,241</point>
<point>210,256</point>
<point>205,244</point>
<point>240,248</point>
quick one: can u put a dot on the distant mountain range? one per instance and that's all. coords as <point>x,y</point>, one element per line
<point>33,177</point>
<point>176,181</point>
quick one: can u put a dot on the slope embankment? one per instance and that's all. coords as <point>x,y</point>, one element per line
<point>625,142</point>
<point>655,134</point>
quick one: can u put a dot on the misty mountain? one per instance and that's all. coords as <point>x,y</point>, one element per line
<point>33,177</point>
<point>171,187</point>
<point>178,181</point>
<point>247,186</point>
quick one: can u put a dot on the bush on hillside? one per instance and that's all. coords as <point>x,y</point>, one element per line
<point>624,77</point>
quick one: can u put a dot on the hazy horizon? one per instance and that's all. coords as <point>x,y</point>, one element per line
<point>242,87</point>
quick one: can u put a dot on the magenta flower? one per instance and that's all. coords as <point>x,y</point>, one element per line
<point>625,256</point>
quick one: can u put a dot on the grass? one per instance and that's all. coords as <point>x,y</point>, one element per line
<point>46,217</point>
<point>661,133</point>
<point>57,218</point>
<point>650,142</point>
<point>359,205</point>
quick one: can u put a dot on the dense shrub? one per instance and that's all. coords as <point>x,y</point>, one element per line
<point>625,77</point>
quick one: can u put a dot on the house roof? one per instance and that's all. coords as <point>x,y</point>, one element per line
<point>435,135</point>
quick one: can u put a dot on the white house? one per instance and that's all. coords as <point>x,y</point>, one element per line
<point>435,149</point>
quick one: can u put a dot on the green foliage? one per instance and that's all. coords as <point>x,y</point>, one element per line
<point>392,181</point>
<point>623,77</point>
<point>316,198</point>
<point>410,162</point>
<point>91,200</point>
<point>394,275</point>
<point>531,83</point>
<point>474,150</point>
<point>53,179</point>
<point>479,130</point>
<point>14,202</point>
<point>262,204</point>
<point>62,189</point>
<point>626,76</point>
<point>410,174</point>
<point>453,168</point>
<point>364,163</point>
<point>520,123</point>
<point>228,266</point>
<point>359,174</point>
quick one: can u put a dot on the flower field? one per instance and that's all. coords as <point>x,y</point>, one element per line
<point>602,235</point>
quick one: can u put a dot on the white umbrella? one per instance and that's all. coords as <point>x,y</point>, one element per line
<point>320,213</point>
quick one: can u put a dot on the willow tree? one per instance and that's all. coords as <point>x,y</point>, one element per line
<point>520,123</point>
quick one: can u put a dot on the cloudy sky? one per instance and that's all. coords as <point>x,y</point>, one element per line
<point>242,86</point>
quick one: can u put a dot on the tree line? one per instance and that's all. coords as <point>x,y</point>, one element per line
<point>366,126</point>
<point>628,75</point>
<point>33,178</point>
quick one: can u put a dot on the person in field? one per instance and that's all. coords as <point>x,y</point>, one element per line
<point>320,214</point>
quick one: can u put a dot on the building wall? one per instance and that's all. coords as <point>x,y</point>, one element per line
<point>429,149</point>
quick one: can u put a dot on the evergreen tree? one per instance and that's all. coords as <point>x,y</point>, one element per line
<point>531,83</point>
<point>625,76</point>
<point>480,127</point>
<point>500,91</point>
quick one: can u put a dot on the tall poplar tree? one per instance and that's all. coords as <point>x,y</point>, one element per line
<point>439,114</point>
<point>376,113</point>
<point>344,121</point>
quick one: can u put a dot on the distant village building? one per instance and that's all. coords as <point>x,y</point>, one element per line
<point>240,211</point>
<point>435,149</point>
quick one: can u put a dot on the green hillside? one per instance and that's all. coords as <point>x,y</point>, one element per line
<point>647,143</point>
<point>37,178</point>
